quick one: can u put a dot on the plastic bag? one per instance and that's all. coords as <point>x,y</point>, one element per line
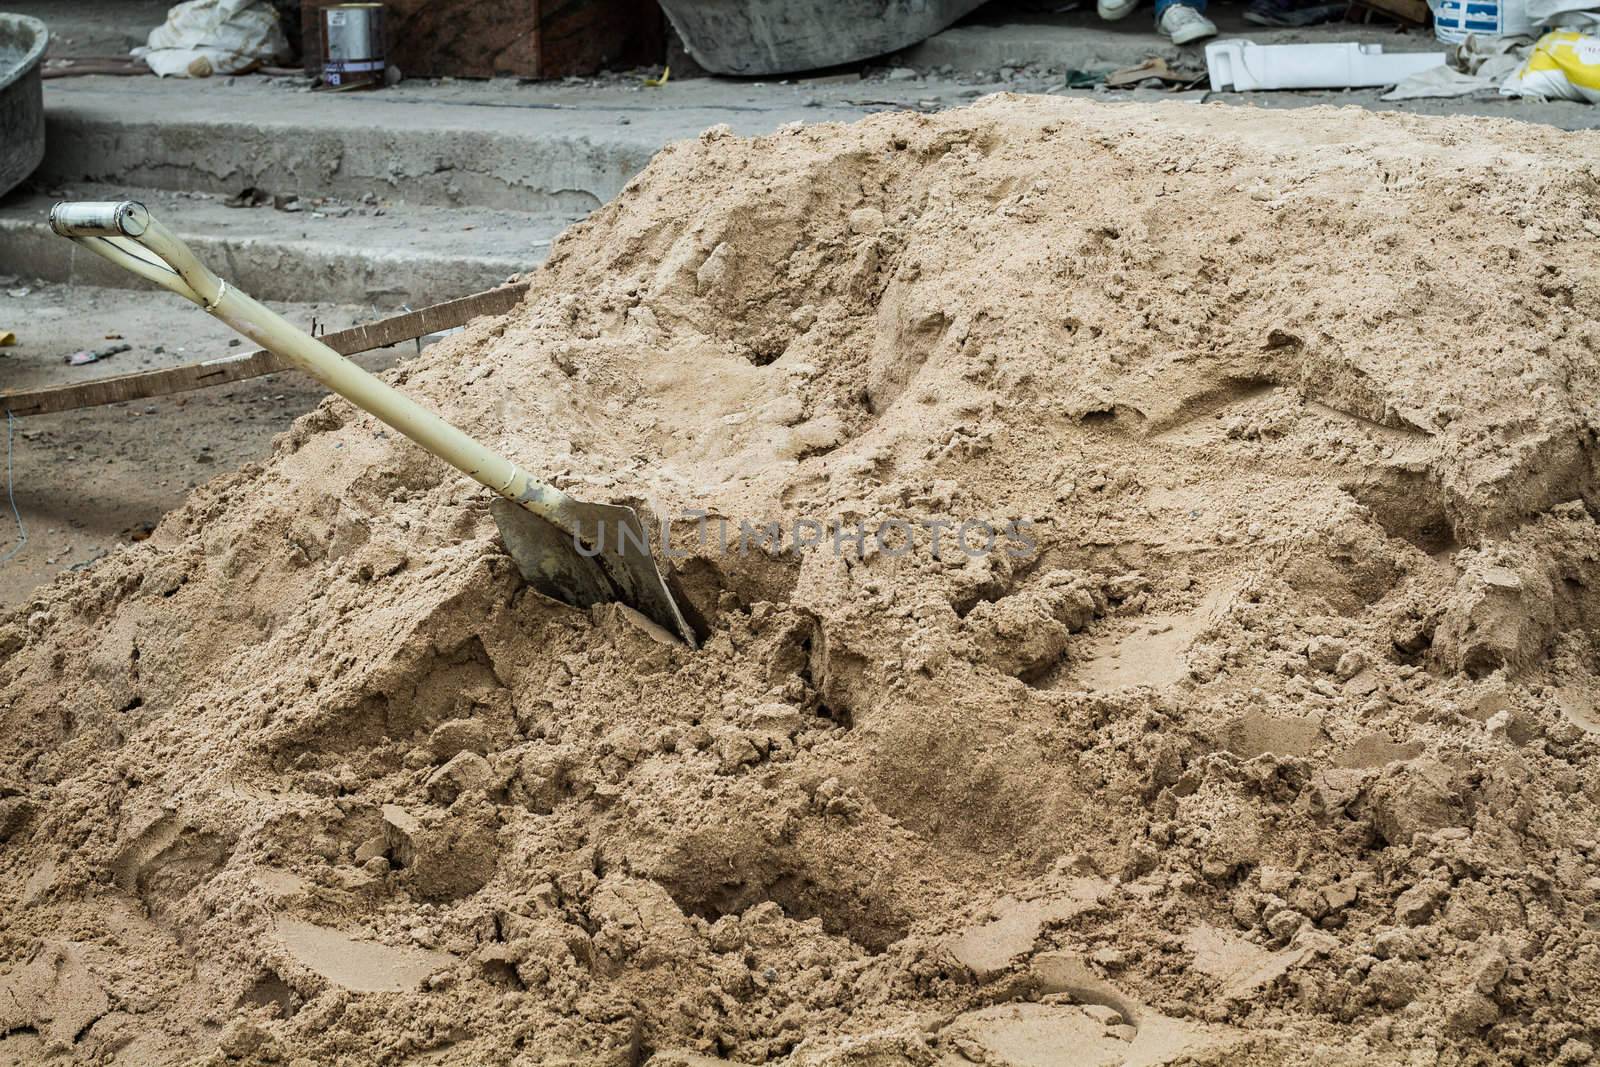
<point>1563,66</point>
<point>205,37</point>
<point>1558,13</point>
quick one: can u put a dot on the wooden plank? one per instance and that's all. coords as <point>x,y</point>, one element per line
<point>380,334</point>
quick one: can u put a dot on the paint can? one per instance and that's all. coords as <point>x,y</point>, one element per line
<point>352,46</point>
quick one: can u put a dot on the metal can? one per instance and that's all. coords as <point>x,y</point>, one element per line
<point>352,46</point>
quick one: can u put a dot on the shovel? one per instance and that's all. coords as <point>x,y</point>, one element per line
<point>560,544</point>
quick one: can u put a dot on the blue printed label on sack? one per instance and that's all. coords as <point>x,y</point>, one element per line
<point>1469,17</point>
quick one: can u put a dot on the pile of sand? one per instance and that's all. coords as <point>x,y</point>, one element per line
<point>1281,743</point>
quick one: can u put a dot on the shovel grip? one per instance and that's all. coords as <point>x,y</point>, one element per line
<point>124,232</point>
<point>100,218</point>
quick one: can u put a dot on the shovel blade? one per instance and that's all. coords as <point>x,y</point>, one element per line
<point>604,558</point>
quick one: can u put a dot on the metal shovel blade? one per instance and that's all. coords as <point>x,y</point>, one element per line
<point>603,559</point>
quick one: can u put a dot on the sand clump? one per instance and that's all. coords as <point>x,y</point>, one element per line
<point>1280,744</point>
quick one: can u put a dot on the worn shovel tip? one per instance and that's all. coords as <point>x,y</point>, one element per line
<point>604,558</point>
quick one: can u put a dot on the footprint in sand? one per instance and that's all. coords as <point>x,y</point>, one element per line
<point>1155,654</point>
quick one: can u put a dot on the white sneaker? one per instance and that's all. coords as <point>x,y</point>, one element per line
<point>1112,10</point>
<point>1184,24</point>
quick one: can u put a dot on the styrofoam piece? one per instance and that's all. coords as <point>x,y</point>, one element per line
<point>1243,66</point>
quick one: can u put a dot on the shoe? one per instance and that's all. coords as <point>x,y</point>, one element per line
<point>1112,10</point>
<point>1184,24</point>
<point>1293,12</point>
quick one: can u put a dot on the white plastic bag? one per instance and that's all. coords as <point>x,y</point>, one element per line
<point>1563,66</point>
<point>1563,14</point>
<point>205,37</point>
<point>1476,65</point>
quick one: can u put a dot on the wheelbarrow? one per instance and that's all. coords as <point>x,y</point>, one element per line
<point>576,551</point>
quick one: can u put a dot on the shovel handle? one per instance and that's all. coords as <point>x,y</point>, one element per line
<point>99,218</point>
<point>126,234</point>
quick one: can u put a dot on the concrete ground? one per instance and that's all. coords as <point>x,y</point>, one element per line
<point>94,27</point>
<point>428,190</point>
<point>86,481</point>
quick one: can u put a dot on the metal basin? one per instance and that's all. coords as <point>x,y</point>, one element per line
<point>783,36</point>
<point>22,42</point>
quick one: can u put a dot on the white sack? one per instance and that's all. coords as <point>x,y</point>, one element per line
<point>205,37</point>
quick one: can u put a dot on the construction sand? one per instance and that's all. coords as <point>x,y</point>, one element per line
<point>1280,745</point>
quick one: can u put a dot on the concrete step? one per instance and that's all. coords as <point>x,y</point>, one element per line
<point>545,148</point>
<point>352,253</point>
<point>566,148</point>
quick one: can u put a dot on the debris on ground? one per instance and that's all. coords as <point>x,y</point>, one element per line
<point>249,196</point>
<point>1154,73</point>
<point>85,356</point>
<point>1278,743</point>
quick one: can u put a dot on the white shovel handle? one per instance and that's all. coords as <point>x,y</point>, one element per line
<point>126,234</point>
